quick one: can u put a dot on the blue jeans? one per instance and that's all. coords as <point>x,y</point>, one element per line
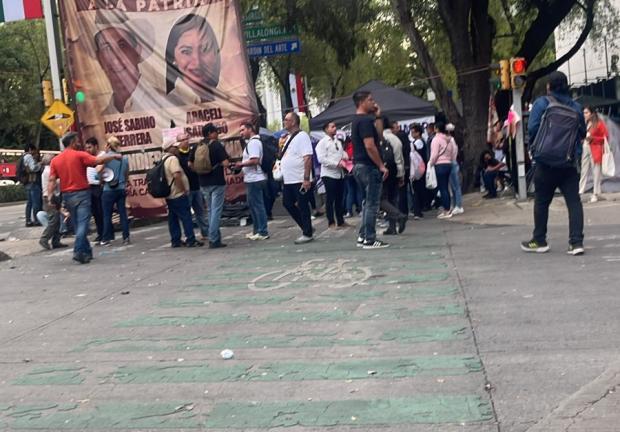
<point>214,197</point>
<point>197,201</point>
<point>179,211</point>
<point>353,195</point>
<point>35,202</point>
<point>370,181</point>
<point>255,194</point>
<point>443,182</point>
<point>455,185</point>
<point>108,199</point>
<point>79,205</point>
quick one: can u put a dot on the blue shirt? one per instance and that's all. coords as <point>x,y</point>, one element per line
<point>538,109</point>
<point>120,168</point>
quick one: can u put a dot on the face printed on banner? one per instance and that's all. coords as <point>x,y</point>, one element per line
<point>193,55</point>
<point>119,54</point>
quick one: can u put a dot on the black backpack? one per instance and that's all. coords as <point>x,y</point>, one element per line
<point>270,153</point>
<point>556,140</point>
<point>387,154</point>
<point>156,183</point>
<point>22,174</point>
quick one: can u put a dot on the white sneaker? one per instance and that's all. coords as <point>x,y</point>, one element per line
<point>257,236</point>
<point>594,199</point>
<point>457,211</point>
<point>444,215</point>
<point>304,239</point>
<point>250,236</point>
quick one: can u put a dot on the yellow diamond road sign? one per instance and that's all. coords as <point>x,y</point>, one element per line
<point>58,118</point>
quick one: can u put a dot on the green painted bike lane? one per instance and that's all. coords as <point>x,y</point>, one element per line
<point>396,286</point>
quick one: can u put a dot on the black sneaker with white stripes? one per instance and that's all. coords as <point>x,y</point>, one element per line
<point>377,244</point>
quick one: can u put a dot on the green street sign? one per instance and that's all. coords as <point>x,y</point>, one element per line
<point>268,32</point>
<point>253,16</point>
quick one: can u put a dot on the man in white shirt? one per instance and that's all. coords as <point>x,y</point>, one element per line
<point>255,181</point>
<point>52,207</point>
<point>330,153</point>
<point>96,188</point>
<point>296,166</point>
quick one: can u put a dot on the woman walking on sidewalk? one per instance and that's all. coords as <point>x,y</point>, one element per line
<point>595,140</point>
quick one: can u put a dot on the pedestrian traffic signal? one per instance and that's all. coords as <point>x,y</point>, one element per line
<point>518,71</point>
<point>48,93</point>
<point>504,74</point>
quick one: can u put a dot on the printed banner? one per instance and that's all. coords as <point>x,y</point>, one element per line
<point>147,65</point>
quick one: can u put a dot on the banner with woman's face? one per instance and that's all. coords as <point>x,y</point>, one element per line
<point>145,64</point>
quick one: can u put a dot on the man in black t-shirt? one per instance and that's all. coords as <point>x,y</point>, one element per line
<point>213,184</point>
<point>196,199</point>
<point>369,170</point>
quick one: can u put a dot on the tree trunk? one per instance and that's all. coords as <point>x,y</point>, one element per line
<point>262,111</point>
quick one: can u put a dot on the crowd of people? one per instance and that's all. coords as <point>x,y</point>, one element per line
<point>380,170</point>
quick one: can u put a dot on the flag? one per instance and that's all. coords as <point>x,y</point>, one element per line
<point>15,10</point>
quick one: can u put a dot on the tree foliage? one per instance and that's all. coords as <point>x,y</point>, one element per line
<point>23,64</point>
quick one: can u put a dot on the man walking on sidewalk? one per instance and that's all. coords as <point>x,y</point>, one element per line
<point>369,171</point>
<point>296,167</point>
<point>556,128</point>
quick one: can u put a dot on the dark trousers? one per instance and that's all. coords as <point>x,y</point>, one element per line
<point>443,182</point>
<point>179,212</point>
<point>370,181</point>
<point>353,195</point>
<point>403,196</point>
<point>298,206</point>
<point>389,201</point>
<point>419,196</point>
<point>96,208</point>
<point>35,201</point>
<point>489,178</point>
<point>546,181</point>
<point>334,202</point>
<point>270,193</point>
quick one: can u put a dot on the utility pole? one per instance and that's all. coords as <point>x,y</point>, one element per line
<point>517,94</point>
<point>53,45</point>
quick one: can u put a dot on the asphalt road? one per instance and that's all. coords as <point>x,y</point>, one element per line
<point>451,329</point>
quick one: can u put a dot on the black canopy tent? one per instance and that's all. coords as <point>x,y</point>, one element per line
<point>395,104</point>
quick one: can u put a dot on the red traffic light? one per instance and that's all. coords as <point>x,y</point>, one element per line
<point>519,66</point>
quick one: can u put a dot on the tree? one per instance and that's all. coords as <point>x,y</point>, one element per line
<point>23,65</point>
<point>471,30</point>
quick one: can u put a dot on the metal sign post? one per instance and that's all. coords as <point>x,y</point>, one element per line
<point>518,107</point>
<point>51,29</point>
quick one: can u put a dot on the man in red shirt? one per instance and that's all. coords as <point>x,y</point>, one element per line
<point>70,168</point>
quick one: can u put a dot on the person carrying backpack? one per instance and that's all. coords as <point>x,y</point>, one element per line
<point>556,129</point>
<point>255,179</point>
<point>28,172</point>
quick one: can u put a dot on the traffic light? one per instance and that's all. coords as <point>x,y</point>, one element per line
<point>504,74</point>
<point>518,72</point>
<point>48,93</point>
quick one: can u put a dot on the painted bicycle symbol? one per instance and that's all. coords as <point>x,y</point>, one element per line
<point>341,273</point>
